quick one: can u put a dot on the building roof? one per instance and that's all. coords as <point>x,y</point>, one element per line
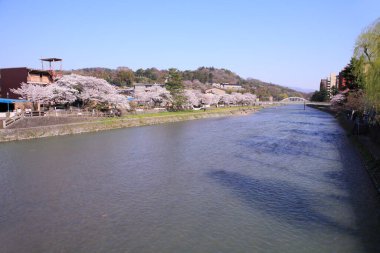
<point>215,90</point>
<point>148,84</point>
<point>14,68</point>
<point>231,84</point>
<point>51,59</point>
<point>38,71</point>
<point>11,101</point>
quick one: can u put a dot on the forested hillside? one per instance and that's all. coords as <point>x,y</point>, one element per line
<point>201,78</point>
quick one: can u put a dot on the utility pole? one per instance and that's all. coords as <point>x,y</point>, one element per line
<point>8,103</point>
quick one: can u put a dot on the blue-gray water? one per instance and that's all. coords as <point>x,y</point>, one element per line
<point>281,180</point>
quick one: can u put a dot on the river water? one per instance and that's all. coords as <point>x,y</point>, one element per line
<point>281,180</point>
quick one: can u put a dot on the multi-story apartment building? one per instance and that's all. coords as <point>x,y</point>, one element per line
<point>329,83</point>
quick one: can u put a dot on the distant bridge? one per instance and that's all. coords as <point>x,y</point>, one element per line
<point>299,100</point>
<point>294,100</point>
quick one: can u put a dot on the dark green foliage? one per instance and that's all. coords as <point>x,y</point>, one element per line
<point>334,91</point>
<point>352,75</point>
<point>320,96</point>
<point>124,77</point>
<point>201,78</point>
<point>175,86</point>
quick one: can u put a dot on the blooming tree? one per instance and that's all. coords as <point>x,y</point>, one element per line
<point>227,99</point>
<point>210,99</point>
<point>159,95</point>
<point>338,99</point>
<point>194,98</point>
<point>238,98</point>
<point>60,95</point>
<point>249,99</point>
<point>155,95</point>
<point>33,92</point>
<point>93,90</point>
<point>71,88</point>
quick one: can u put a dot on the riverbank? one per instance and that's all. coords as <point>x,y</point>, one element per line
<point>101,124</point>
<point>367,147</point>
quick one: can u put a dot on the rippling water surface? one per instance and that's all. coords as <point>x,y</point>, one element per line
<point>281,180</point>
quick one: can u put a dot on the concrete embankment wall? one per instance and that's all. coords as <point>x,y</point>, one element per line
<point>28,122</point>
<point>105,124</point>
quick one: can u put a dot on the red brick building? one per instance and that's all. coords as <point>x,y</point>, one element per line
<point>11,78</point>
<point>323,84</point>
<point>342,83</point>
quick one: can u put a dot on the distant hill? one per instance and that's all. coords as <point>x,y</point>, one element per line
<point>201,78</point>
<point>304,90</point>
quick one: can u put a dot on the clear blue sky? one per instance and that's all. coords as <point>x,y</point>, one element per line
<point>292,43</point>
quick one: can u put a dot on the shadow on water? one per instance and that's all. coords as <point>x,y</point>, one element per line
<point>279,199</point>
<point>257,161</point>
<point>274,145</point>
<point>362,195</point>
<point>302,123</point>
<point>312,134</point>
<point>328,178</point>
<point>310,114</point>
<point>325,136</point>
<point>283,146</point>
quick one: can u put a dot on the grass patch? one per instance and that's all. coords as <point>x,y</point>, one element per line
<point>182,113</point>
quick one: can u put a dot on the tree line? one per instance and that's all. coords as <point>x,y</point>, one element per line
<point>362,73</point>
<point>201,79</point>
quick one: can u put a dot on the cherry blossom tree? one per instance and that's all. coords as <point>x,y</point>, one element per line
<point>70,88</point>
<point>92,89</point>
<point>228,99</point>
<point>159,95</point>
<point>154,96</point>
<point>210,99</point>
<point>338,99</point>
<point>249,99</point>
<point>194,98</point>
<point>33,92</point>
<point>238,98</point>
<point>60,95</point>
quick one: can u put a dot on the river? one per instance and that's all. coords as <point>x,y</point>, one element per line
<point>281,180</point>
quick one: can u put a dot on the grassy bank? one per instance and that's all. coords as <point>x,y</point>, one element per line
<point>367,148</point>
<point>188,112</point>
<point>130,120</point>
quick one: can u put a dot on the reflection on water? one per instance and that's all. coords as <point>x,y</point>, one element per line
<point>282,180</point>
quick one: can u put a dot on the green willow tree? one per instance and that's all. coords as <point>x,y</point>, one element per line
<point>175,87</point>
<point>367,54</point>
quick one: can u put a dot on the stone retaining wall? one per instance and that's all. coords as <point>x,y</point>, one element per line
<point>104,124</point>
